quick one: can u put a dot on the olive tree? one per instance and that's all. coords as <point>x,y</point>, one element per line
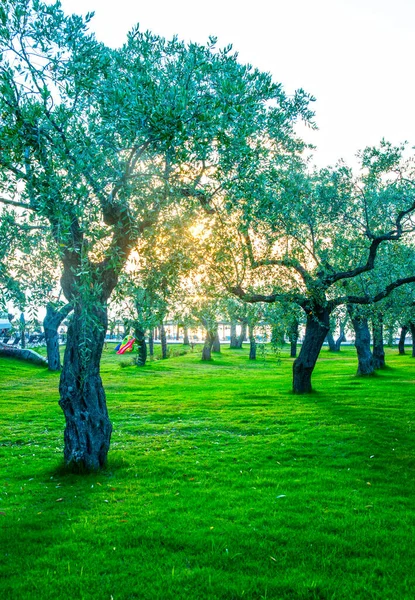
<point>96,142</point>
<point>305,238</point>
<point>29,278</point>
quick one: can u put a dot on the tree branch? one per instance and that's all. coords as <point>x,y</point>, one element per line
<point>267,298</point>
<point>289,263</point>
<point>371,299</point>
<point>15,203</point>
<point>200,195</point>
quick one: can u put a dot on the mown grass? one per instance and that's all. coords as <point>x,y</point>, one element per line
<point>220,484</point>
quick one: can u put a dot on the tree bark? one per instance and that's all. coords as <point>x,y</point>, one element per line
<point>340,339</point>
<point>163,341</point>
<point>211,328</point>
<point>401,343</point>
<point>412,328</point>
<point>366,365</point>
<point>293,337</point>
<point>82,396</point>
<point>207,347</point>
<point>378,347</point>
<point>334,345</point>
<point>331,342</point>
<point>252,343</point>
<point>186,341</point>
<point>51,323</point>
<point>317,326</point>
<point>242,336</point>
<point>140,339</point>
<point>216,343</point>
<point>234,338</point>
<point>151,342</point>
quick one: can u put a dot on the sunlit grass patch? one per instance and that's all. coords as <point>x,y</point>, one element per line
<point>220,484</point>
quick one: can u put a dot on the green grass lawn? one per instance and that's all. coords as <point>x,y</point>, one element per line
<point>220,483</point>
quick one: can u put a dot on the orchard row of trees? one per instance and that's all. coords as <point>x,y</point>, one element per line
<point>186,160</point>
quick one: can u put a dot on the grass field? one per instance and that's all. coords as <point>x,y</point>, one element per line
<point>220,483</point>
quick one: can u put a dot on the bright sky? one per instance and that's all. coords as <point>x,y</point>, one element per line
<point>355,56</point>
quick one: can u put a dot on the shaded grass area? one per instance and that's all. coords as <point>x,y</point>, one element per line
<point>220,483</point>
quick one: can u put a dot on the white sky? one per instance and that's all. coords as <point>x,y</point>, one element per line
<point>355,56</point>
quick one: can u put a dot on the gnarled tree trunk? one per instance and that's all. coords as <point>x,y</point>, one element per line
<point>82,396</point>
<point>366,365</point>
<point>317,326</point>
<point>334,345</point>
<point>242,336</point>
<point>211,328</point>
<point>293,337</point>
<point>378,348</point>
<point>331,342</point>
<point>186,341</point>
<point>151,342</point>
<point>252,343</point>
<point>207,347</point>
<point>216,343</point>
<point>340,339</point>
<point>412,328</point>
<point>53,319</point>
<point>140,340</point>
<point>234,337</point>
<point>401,343</point>
<point>163,341</point>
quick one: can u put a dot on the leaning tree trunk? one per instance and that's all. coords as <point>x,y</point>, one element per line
<point>317,326</point>
<point>366,364</point>
<point>51,323</point>
<point>412,328</point>
<point>252,343</point>
<point>293,337</point>
<point>401,344</point>
<point>378,348</point>
<point>23,354</point>
<point>163,341</point>
<point>82,396</point>
<point>186,341</point>
<point>234,337</point>
<point>216,343</point>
